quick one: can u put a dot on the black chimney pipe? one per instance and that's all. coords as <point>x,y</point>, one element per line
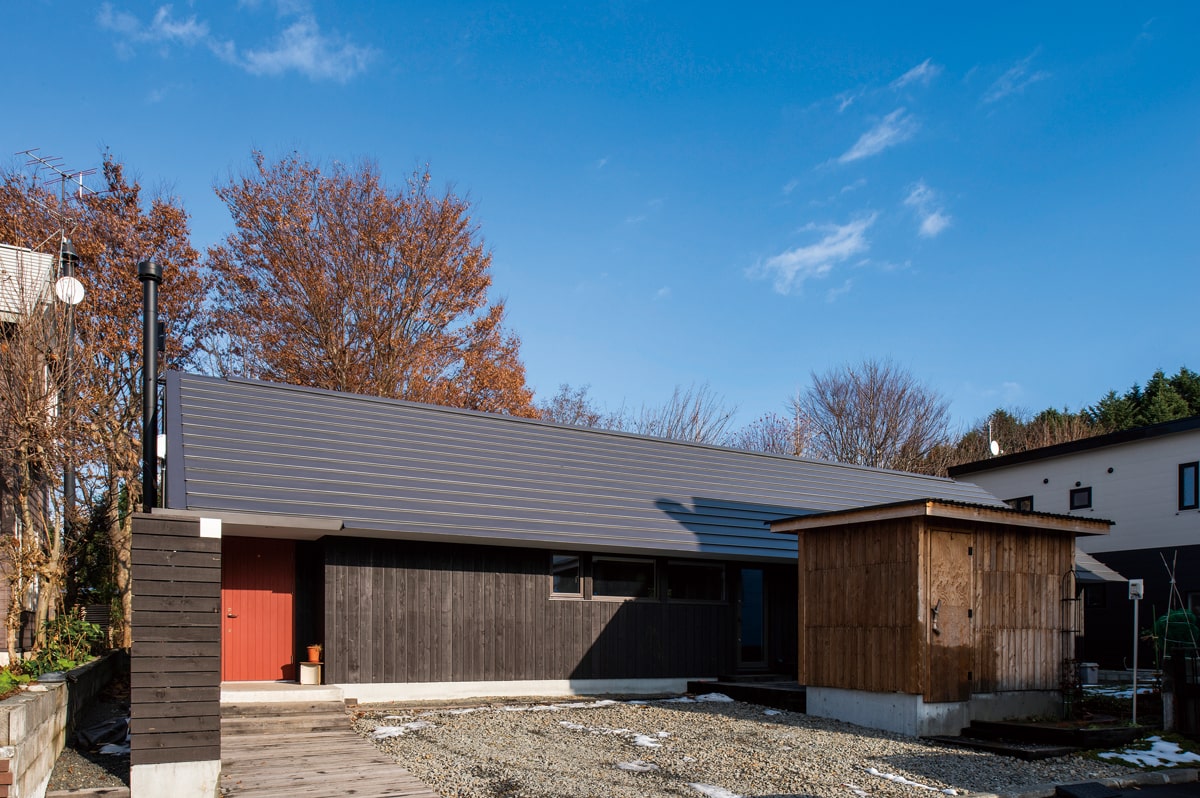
<point>150,273</point>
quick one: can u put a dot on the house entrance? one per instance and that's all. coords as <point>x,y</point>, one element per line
<point>751,619</point>
<point>258,581</point>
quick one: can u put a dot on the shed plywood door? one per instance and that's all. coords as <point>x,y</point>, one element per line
<point>951,650</point>
<point>258,580</point>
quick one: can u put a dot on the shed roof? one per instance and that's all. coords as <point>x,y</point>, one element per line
<point>934,507</point>
<point>349,464</point>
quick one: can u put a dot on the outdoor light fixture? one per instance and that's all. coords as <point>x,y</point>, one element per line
<point>68,289</point>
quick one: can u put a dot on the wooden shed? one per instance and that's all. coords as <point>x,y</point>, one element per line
<point>920,616</point>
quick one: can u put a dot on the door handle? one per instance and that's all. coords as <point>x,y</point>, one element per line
<point>230,614</point>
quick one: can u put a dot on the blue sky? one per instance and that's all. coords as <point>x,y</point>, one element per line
<point>1004,201</point>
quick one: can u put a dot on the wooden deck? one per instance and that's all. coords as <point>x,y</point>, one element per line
<point>305,751</point>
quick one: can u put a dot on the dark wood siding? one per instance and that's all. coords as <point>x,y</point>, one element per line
<point>400,612</point>
<point>175,682</point>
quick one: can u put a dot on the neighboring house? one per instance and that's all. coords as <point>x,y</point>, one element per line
<point>437,551</point>
<point>25,280</point>
<point>1145,480</point>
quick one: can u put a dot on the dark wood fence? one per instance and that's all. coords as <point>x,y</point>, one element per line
<point>175,701</point>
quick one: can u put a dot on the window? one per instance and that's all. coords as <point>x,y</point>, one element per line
<point>1022,503</point>
<point>1095,596</point>
<point>566,575</point>
<point>1189,496</point>
<point>691,581</point>
<point>1081,498</point>
<point>614,577</point>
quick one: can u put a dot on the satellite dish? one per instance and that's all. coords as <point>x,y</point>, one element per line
<point>69,291</point>
<point>995,447</point>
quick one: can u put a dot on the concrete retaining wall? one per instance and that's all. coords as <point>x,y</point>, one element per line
<point>34,725</point>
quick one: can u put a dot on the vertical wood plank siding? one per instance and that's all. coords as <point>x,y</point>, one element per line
<point>175,684</point>
<point>860,593</point>
<point>865,616</point>
<point>397,611</point>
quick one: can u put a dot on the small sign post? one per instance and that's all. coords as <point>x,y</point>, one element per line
<point>1135,594</point>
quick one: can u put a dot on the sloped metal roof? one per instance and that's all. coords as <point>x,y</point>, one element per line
<point>405,470</point>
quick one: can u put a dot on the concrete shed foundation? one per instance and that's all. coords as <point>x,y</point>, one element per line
<point>911,715</point>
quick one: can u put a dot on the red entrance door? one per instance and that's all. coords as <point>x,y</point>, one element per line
<point>258,579</point>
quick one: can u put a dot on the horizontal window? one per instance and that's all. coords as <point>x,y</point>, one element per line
<point>1022,503</point>
<point>622,578</point>
<point>1081,498</point>
<point>1189,481</point>
<point>567,575</point>
<point>695,581</point>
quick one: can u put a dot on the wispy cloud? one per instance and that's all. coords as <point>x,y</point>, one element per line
<point>1015,80</point>
<point>663,293</point>
<point>838,243</point>
<point>302,46</point>
<point>896,127</point>
<point>924,201</point>
<point>833,294</point>
<point>164,28</point>
<point>922,73</point>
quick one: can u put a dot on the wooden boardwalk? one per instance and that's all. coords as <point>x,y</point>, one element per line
<point>305,751</point>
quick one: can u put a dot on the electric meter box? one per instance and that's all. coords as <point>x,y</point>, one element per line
<point>1135,589</point>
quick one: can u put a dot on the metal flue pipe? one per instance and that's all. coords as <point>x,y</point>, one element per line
<point>150,273</point>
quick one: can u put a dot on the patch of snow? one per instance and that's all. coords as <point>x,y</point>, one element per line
<point>1118,691</point>
<point>637,766</point>
<point>909,782</point>
<point>859,791</point>
<point>680,700</point>
<point>638,702</point>
<point>772,712</point>
<point>690,759</point>
<point>715,698</point>
<point>646,741</point>
<point>1162,752</point>
<point>385,732</point>
<point>572,726</point>
<point>711,791</point>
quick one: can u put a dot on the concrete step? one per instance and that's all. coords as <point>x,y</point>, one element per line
<point>790,696</point>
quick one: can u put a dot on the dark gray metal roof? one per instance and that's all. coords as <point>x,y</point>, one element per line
<point>405,470</point>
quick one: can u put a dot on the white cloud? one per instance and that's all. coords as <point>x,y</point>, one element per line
<point>924,201</point>
<point>838,244</point>
<point>164,28</point>
<point>1014,80</point>
<point>304,48</point>
<point>663,292</point>
<point>922,73</point>
<point>833,294</point>
<point>790,186</point>
<point>301,47</point>
<point>896,127</point>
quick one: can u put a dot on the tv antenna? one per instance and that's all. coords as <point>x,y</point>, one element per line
<point>70,183</point>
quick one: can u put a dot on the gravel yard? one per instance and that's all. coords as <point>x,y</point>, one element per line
<point>684,747</point>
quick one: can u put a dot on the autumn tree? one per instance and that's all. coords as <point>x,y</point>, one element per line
<point>876,414</point>
<point>334,279</point>
<point>32,432</point>
<point>113,228</point>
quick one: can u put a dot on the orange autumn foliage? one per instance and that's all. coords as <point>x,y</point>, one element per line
<point>333,279</point>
